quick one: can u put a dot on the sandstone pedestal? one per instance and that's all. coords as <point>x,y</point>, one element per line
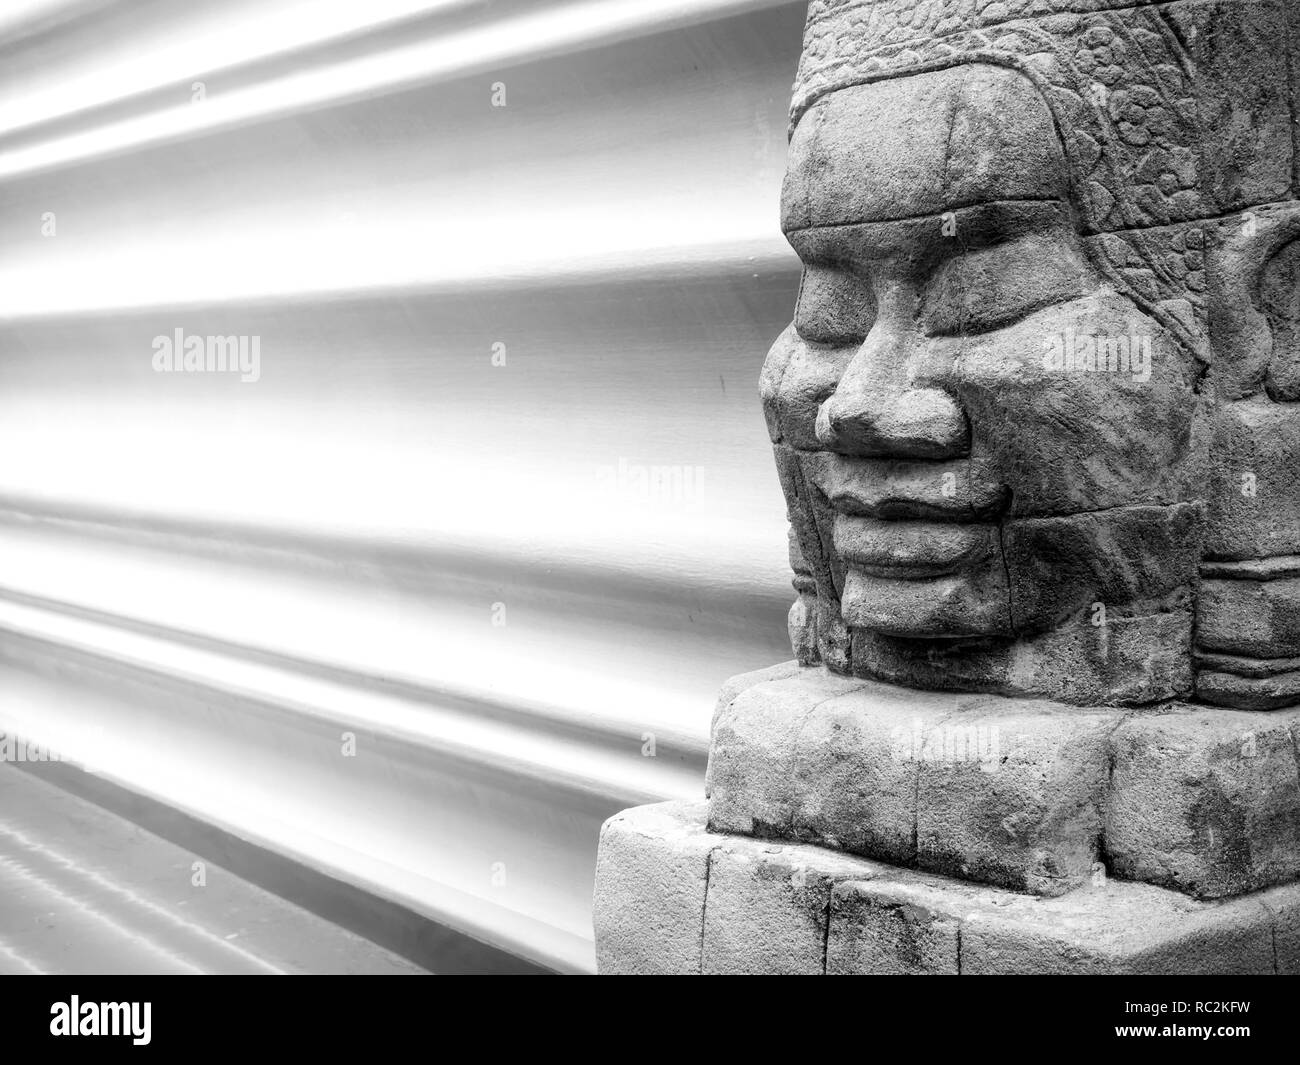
<point>674,898</point>
<point>1024,794</point>
<point>857,827</point>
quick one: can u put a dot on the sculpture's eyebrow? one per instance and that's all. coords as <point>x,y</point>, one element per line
<point>960,228</point>
<point>862,242</point>
<point>859,240</point>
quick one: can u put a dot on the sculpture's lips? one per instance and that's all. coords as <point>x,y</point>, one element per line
<point>893,490</point>
<point>913,550</point>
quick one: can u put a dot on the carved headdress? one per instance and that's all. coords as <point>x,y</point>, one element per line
<point>1137,93</point>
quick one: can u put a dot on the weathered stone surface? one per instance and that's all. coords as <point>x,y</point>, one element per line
<point>1277,568</point>
<point>753,751</point>
<point>1239,71</point>
<point>1174,110</point>
<point>1051,394</point>
<point>797,377</point>
<point>883,594</point>
<point>1279,293</point>
<point>915,166</point>
<point>1023,794</point>
<point>1026,812</point>
<point>913,924</point>
<point>1254,496</point>
<point>856,768</point>
<point>741,682</point>
<point>1256,618</point>
<point>1125,660</point>
<point>1284,904</point>
<point>1248,634</point>
<point>997,790</point>
<point>1206,801</point>
<point>1243,666</point>
<point>652,870</point>
<point>958,490</point>
<point>1119,929</point>
<point>1250,268</point>
<point>768,908</point>
<point>895,928</point>
<point>1117,556</point>
<point>1269,692</point>
<point>803,909</point>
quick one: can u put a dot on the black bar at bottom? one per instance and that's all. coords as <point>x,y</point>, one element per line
<point>992,1018</point>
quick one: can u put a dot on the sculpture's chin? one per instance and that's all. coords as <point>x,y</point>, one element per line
<point>972,602</point>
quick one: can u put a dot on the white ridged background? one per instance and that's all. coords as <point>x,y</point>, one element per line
<point>205,582</point>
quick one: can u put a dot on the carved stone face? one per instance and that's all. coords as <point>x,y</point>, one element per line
<point>983,441</point>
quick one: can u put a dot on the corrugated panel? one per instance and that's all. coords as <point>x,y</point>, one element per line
<point>501,578</point>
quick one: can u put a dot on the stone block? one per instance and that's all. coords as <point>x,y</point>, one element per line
<point>651,874</point>
<point>1003,791</point>
<point>1027,795</point>
<point>1254,496</point>
<point>1284,904</point>
<point>804,909</point>
<point>742,682</point>
<point>1118,929</point>
<point>1205,800</point>
<point>855,772</point>
<point>1016,794</point>
<point>768,907</point>
<point>752,751</point>
<point>918,924</point>
<point>895,928</point>
<point>1271,692</point>
<point>1260,619</point>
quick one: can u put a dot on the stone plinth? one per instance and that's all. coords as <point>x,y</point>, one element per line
<point>674,898</point>
<point>1022,794</point>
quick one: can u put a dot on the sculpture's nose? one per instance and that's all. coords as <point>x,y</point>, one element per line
<point>912,423</point>
<point>879,408</point>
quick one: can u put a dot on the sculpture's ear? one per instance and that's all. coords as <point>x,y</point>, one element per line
<point>802,620</point>
<point>1248,610</point>
<point>1279,295</point>
<point>1255,304</point>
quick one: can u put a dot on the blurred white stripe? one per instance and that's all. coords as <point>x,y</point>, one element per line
<point>17,959</point>
<point>498,44</point>
<point>210,42</point>
<point>19,16</point>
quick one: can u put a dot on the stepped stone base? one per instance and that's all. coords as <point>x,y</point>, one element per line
<point>1023,794</point>
<point>673,897</point>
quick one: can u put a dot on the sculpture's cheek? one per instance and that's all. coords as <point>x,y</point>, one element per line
<point>797,378</point>
<point>1082,412</point>
<point>1118,558</point>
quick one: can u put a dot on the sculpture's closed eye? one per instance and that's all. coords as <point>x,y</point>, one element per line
<point>994,287</point>
<point>836,306</point>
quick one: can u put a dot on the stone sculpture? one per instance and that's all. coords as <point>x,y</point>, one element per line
<point>1037,422</point>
